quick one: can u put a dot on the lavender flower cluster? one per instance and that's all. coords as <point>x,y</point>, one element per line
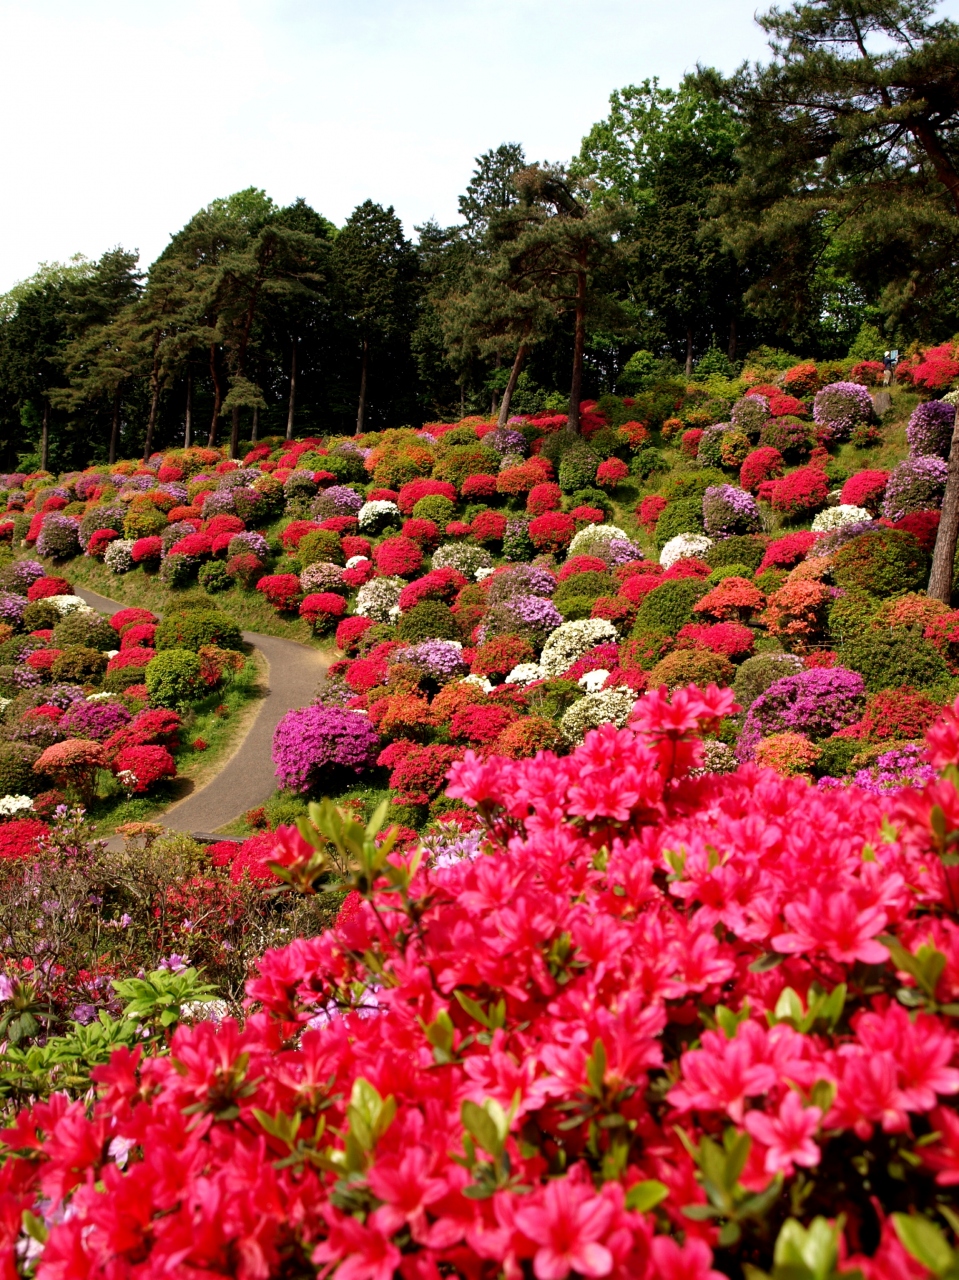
<point>816,703</point>
<point>24,572</point>
<point>310,739</point>
<point>836,538</point>
<point>59,537</point>
<point>749,414</point>
<point>621,551</point>
<point>728,510</point>
<point>249,543</point>
<point>320,576</point>
<point>841,406</point>
<point>505,441</point>
<point>95,720</point>
<point>337,500</point>
<point>220,502</point>
<point>930,429</point>
<point>520,580</point>
<point>441,660</point>
<point>916,484</point>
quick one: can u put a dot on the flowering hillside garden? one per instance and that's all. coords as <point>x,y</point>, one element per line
<point>604,920</point>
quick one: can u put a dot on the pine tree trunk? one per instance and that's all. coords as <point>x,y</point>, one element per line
<point>45,437</point>
<point>114,428</point>
<point>579,346</point>
<point>188,419</point>
<point>291,409</point>
<point>361,409</point>
<point>256,423</point>
<point>235,431</point>
<point>511,385</point>
<point>731,352</point>
<point>217,400</point>
<point>689,353</point>
<point>151,421</point>
<point>943,557</point>
<point>462,400</point>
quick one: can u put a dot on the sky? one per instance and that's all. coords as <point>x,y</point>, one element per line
<point>123,117</point>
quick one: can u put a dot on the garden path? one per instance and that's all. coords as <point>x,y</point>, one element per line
<point>246,779</point>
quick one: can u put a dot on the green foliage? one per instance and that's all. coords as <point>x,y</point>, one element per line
<point>160,999</point>
<point>87,629</point>
<point>692,483</point>
<point>835,756</point>
<point>79,664</point>
<point>213,577</point>
<point>756,674</point>
<point>16,769</point>
<point>670,606</point>
<point>646,461</point>
<point>590,585</point>
<point>146,522</point>
<point>466,460</point>
<point>436,508</point>
<point>577,468</point>
<point>888,658</point>
<point>685,515</point>
<point>41,615</point>
<point>428,620</point>
<point>173,678</point>
<point>741,549</point>
<point>193,628</point>
<point>591,497</point>
<point>320,545</point>
<point>883,563</point>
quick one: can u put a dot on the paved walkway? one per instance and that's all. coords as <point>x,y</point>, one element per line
<point>246,780</point>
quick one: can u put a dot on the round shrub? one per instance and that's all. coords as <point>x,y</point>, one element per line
<point>311,740</point>
<point>436,507</point>
<point>517,544</point>
<point>428,620</point>
<point>741,549</point>
<point>865,489</point>
<point>213,577</point>
<point>590,584</point>
<point>749,414</point>
<point>670,606</point>
<point>883,563</point>
<point>916,484</point>
<point>83,628</point>
<point>17,777</point>
<point>40,615</point>
<point>691,666</point>
<point>320,544</point>
<point>145,522</point>
<point>841,406</point>
<point>173,678</point>
<point>889,657</point>
<point>733,448</point>
<point>728,510</point>
<point>95,720</point>
<point>930,428</point>
<point>79,664</point>
<point>755,675</point>
<point>761,464</point>
<point>398,556</point>
<point>816,703</point>
<point>577,467</point>
<point>789,436</point>
<point>685,515</point>
<point>709,453</point>
<point>59,538</point>
<point>800,491</point>
<point>193,628</point>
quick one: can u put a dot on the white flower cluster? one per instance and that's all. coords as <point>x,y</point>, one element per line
<point>69,604</point>
<point>594,533</point>
<point>593,681</point>
<point>355,560</point>
<point>10,806</point>
<point>611,706</point>
<point>570,641</point>
<point>835,517</point>
<point>118,555</point>
<point>373,514</point>
<point>483,683</point>
<point>525,673</point>
<point>484,573</point>
<point>683,547</point>
<point>379,599</point>
<point>466,560</point>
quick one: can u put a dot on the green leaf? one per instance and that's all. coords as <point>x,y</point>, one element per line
<point>596,1069</point>
<point>644,1196</point>
<point>771,960</point>
<point>475,1010</point>
<point>481,1125</point>
<point>925,1242</point>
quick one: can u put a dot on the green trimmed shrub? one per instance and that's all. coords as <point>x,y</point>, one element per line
<point>554,697</point>
<point>79,664</point>
<point>691,666</point>
<point>590,585</point>
<point>214,577</point>
<point>883,563</point>
<point>320,544</point>
<point>685,515</point>
<point>84,629</point>
<point>121,678</point>
<point>178,571</point>
<point>516,540</point>
<point>835,756</point>
<point>692,484</point>
<point>888,658</point>
<point>577,467</point>
<point>646,461</point>
<point>466,460</point>
<point>590,498</point>
<point>40,615</point>
<point>756,674</point>
<point>741,549</point>
<point>347,467</point>
<point>146,522</point>
<point>173,678</point>
<point>574,608</point>
<point>728,571</point>
<point>193,628</point>
<point>436,508</point>
<point>16,769</point>
<point>428,620</point>
<point>670,606</point>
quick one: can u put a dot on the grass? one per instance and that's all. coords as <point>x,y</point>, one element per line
<point>222,720</point>
<point>147,591</point>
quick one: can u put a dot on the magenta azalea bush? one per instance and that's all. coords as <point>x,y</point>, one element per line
<point>311,739</point>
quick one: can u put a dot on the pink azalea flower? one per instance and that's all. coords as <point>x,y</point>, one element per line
<point>788,1136</point>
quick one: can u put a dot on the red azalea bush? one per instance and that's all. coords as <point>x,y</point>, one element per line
<point>353,545</point>
<point>802,379</point>
<point>579,1056</point>
<point>894,714</point>
<point>689,442</point>
<point>923,525</point>
<point>142,767</point>
<point>417,772</point>
<point>588,515</point>
<point>397,556</point>
<point>728,638</point>
<point>733,600</point>
<point>42,659</point>
<point>523,477</point>
<point>98,542</point>
<point>138,656</point>
<point>498,657</point>
<point>796,612</point>
<point>43,588</point>
<point>865,489</point>
<point>146,549</point>
<point>350,631</point>
<point>782,405</point>
<point>296,531</point>
<point>20,840</point>
<point>194,544</point>
<point>552,531</point>
<point>322,608</point>
<point>220,524</point>
<point>246,568</point>
<point>802,490</point>
<point>934,369</point>
<point>139,635</point>
<point>636,434</point>
<point>479,486</point>
<point>544,497</point>
<point>282,590</point>
<point>581,564</point>
<point>410,494</point>
<point>438,584</point>
<point>611,473</point>
<point>783,553</point>
<point>488,526</point>
<point>761,464</point>
<point>423,532</point>
<point>649,511</point>
<point>481,722</point>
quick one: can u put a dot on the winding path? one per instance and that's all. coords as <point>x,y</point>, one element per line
<point>246,779</point>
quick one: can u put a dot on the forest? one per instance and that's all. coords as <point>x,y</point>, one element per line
<point>809,204</point>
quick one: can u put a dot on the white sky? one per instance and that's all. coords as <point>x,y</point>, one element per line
<point>123,117</point>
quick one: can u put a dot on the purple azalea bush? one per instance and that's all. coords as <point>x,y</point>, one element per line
<point>520,580</point>
<point>506,441</point>
<point>916,484</point>
<point>337,500</point>
<point>816,703</point>
<point>59,538</point>
<point>749,414</point>
<point>729,510</point>
<point>841,406</point>
<point>95,720</point>
<point>930,428</point>
<point>309,739</point>
<point>249,542</point>
<point>442,660</point>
